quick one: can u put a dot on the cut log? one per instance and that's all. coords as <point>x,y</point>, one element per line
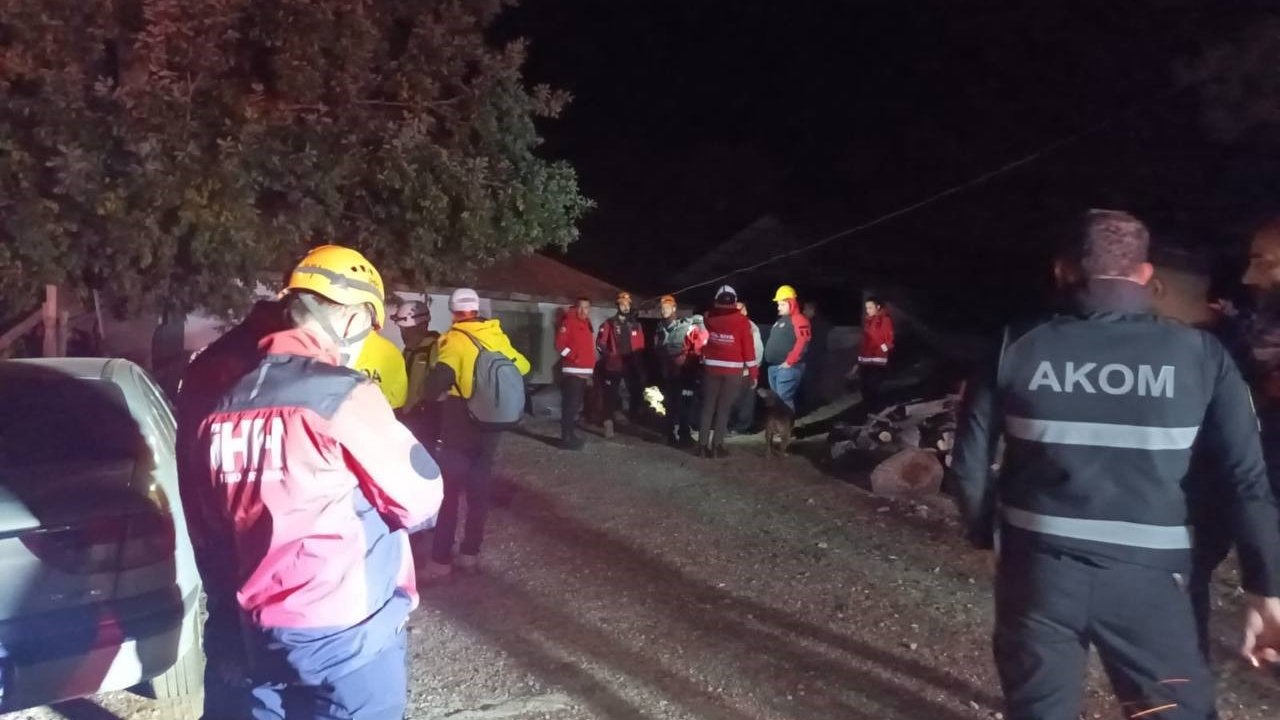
<point>911,472</point>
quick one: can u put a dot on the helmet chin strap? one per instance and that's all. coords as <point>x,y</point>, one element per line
<point>343,344</point>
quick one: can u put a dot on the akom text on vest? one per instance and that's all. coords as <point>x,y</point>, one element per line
<point>1112,379</point>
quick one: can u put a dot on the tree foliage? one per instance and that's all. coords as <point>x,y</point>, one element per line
<point>1239,81</point>
<point>170,151</point>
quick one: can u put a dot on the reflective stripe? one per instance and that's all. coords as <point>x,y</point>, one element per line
<point>579,371</point>
<point>565,352</point>
<point>340,280</point>
<point>753,363</point>
<point>1115,532</point>
<point>724,363</point>
<point>873,361</point>
<point>1132,437</point>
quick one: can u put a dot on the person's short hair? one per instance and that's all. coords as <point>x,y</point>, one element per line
<point>581,299</point>
<point>1113,244</point>
<point>1180,259</point>
<point>299,313</point>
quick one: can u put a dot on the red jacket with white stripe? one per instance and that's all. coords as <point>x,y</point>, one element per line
<point>314,481</point>
<point>877,340</point>
<point>730,348</point>
<point>576,343</point>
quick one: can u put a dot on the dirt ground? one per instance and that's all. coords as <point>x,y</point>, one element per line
<point>631,581</point>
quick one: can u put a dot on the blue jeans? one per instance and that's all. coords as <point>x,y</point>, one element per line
<point>785,381</point>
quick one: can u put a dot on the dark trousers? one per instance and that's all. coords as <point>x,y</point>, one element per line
<point>1211,549</point>
<point>1051,607</point>
<point>377,691</point>
<point>466,463</point>
<point>632,372</point>
<point>719,392</point>
<point>679,400</point>
<point>228,693</point>
<point>573,391</point>
<point>872,377</point>
<point>743,413</point>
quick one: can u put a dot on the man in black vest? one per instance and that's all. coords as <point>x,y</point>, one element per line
<point>1100,408</point>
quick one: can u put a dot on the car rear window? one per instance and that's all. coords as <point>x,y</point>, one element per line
<point>49,418</point>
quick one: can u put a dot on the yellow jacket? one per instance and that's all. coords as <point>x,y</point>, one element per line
<point>381,362</point>
<point>459,353</point>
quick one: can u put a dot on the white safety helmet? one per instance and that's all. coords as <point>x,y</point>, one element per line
<point>412,314</point>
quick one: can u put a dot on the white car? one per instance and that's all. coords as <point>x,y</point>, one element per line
<point>98,585</point>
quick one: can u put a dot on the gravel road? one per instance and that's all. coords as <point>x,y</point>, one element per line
<point>632,581</point>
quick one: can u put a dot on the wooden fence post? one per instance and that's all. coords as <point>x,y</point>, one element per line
<point>51,333</point>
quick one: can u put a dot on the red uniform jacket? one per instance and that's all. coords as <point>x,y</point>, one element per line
<point>877,340</point>
<point>730,348</point>
<point>575,341</point>
<point>616,337</point>
<point>314,481</point>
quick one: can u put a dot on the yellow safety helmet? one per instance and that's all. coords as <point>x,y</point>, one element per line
<point>785,292</point>
<point>341,275</point>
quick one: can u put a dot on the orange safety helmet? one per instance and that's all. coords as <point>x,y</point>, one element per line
<point>343,276</point>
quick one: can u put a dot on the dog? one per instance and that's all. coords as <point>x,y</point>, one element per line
<point>779,421</point>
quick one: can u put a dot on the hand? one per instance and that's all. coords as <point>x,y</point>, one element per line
<point>785,366</point>
<point>754,383</point>
<point>1225,307</point>
<point>1261,630</point>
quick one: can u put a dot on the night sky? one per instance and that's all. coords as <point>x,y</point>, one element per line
<point>692,119</point>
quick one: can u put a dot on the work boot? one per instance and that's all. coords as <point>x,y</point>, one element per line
<point>466,564</point>
<point>721,452</point>
<point>572,443</point>
<point>608,428</point>
<point>705,452</point>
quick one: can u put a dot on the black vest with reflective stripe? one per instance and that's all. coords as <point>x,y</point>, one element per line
<point>1100,411</point>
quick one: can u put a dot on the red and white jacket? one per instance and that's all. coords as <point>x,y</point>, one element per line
<point>575,341</point>
<point>877,340</point>
<point>730,348</point>
<point>312,480</point>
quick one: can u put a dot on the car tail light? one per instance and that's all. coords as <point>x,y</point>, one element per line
<point>105,544</point>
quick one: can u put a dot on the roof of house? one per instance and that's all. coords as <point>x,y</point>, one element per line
<point>538,277</point>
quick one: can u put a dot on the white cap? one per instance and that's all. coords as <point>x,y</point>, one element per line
<point>727,290</point>
<point>464,300</point>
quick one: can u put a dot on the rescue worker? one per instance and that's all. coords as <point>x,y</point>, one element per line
<point>1256,349</point>
<point>1180,289</point>
<point>784,351</point>
<point>212,373</point>
<point>467,447</point>
<point>575,343</point>
<point>421,347</point>
<point>874,351</point>
<point>812,396</point>
<point>729,360</point>
<point>309,484</point>
<point>380,361</point>
<point>1099,409</point>
<point>743,414</point>
<point>677,343</point>
<point>621,346</point>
